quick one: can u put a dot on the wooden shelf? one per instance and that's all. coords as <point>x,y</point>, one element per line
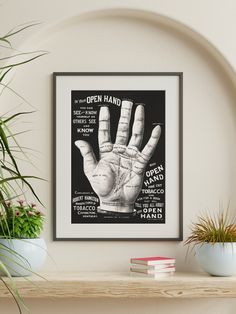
<point>124,285</point>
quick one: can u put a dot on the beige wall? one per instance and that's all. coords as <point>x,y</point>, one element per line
<point>182,35</point>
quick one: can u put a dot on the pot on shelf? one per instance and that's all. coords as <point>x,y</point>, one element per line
<point>218,259</point>
<point>28,257</point>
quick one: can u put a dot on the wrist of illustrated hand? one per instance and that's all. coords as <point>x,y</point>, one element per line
<point>116,207</point>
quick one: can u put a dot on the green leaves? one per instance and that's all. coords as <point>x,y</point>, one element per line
<point>11,178</point>
<point>219,228</point>
<point>22,221</point>
<point>18,29</point>
<point>22,57</point>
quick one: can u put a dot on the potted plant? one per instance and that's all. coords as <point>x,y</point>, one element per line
<point>23,251</point>
<point>214,240</point>
<point>13,183</point>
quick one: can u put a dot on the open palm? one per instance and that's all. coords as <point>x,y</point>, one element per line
<point>117,177</point>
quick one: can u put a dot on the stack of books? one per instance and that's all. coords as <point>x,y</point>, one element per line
<point>156,267</point>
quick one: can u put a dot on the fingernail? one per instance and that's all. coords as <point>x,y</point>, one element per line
<point>127,103</point>
<point>157,130</point>
<point>104,111</point>
<point>77,143</point>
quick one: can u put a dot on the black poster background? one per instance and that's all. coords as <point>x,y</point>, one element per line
<point>149,205</point>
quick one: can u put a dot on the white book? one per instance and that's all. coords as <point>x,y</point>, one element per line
<point>152,267</point>
<point>153,271</point>
<point>155,276</point>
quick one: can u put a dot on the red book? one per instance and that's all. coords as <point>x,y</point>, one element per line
<point>155,260</point>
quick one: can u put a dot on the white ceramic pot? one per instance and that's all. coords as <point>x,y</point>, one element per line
<point>217,259</point>
<point>29,255</point>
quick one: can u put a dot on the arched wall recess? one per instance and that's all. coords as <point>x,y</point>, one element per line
<point>135,40</point>
<point>145,16</point>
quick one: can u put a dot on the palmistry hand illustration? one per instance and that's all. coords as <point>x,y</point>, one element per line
<point>118,176</point>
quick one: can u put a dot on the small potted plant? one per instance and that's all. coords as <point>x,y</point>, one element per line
<point>214,240</point>
<point>22,250</point>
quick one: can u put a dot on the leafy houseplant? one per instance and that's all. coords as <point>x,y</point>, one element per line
<point>214,240</point>
<point>16,221</point>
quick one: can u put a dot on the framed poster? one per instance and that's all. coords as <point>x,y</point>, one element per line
<point>118,156</point>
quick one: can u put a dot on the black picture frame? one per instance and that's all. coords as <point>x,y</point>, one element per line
<point>179,76</point>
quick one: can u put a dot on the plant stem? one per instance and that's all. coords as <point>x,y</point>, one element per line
<point>3,202</point>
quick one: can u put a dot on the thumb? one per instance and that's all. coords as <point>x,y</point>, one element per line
<point>86,150</point>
